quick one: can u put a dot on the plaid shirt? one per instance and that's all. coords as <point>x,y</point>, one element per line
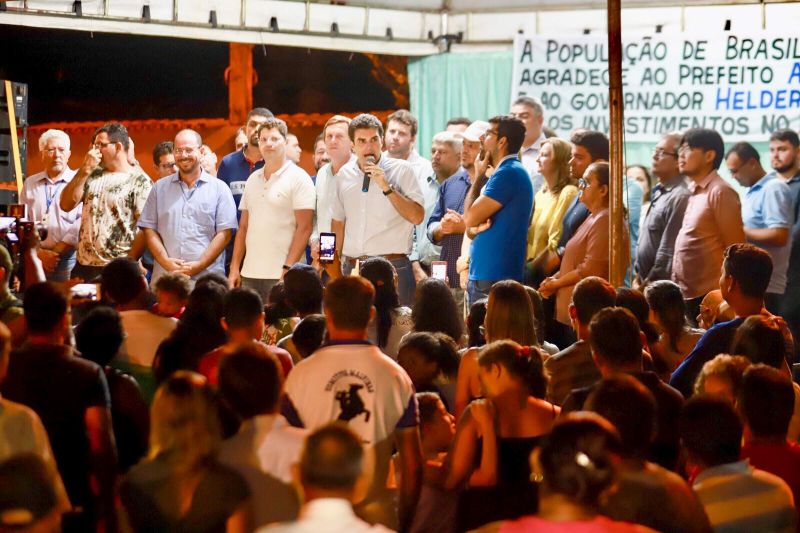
<point>572,368</point>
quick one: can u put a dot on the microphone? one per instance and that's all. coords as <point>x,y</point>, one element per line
<point>365,184</point>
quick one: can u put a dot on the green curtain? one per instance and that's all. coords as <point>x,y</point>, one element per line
<point>476,85</point>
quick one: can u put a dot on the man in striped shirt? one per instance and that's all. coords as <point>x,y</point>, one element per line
<point>736,496</point>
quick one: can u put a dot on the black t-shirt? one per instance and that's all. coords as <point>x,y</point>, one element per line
<point>150,494</point>
<point>59,387</point>
<point>130,417</point>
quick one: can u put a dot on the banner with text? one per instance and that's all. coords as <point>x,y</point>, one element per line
<point>743,85</point>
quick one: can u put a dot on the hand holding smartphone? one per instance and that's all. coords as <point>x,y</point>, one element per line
<point>327,247</point>
<point>439,270</point>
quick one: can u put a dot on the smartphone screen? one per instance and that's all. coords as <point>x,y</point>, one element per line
<point>439,270</point>
<point>86,291</point>
<point>327,247</point>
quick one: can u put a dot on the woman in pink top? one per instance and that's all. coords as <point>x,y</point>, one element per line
<point>574,466</point>
<point>586,253</point>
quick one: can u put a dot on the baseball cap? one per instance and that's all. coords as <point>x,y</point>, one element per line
<point>474,131</point>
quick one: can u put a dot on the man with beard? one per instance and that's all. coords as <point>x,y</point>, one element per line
<point>321,156</point>
<point>236,167</point>
<point>784,157</point>
<point>189,216</point>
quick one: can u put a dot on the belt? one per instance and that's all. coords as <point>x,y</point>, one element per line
<point>388,257</point>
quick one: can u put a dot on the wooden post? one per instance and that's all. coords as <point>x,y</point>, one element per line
<point>240,82</point>
<point>617,254</point>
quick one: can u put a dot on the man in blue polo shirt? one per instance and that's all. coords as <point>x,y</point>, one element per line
<point>236,167</point>
<point>766,213</point>
<point>502,212</point>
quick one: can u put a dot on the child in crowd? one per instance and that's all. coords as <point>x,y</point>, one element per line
<point>431,361</point>
<point>172,293</point>
<point>436,509</point>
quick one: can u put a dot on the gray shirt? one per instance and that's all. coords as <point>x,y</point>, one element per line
<point>661,225</point>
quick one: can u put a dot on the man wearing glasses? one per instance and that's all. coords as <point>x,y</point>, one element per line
<point>189,216</point>
<point>664,216</point>
<point>113,193</point>
<point>712,222</point>
<point>41,193</point>
<point>501,212</point>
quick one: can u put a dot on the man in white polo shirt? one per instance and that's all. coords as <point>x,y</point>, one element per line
<point>351,381</point>
<point>378,202</point>
<point>277,215</point>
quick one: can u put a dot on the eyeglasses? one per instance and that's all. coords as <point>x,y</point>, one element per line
<point>658,153</point>
<point>187,151</point>
<point>100,145</point>
<point>166,166</point>
<point>685,149</point>
<point>492,132</point>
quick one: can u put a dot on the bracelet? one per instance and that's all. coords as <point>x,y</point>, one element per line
<point>286,267</point>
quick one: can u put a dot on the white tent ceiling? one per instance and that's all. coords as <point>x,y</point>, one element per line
<point>363,25</point>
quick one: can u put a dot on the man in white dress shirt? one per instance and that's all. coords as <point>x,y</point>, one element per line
<point>330,466</point>
<point>339,148</point>
<point>277,215</point>
<point>378,202</point>
<point>41,193</point>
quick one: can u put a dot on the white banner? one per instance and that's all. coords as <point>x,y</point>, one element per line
<point>744,86</point>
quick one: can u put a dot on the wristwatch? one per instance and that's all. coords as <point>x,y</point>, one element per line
<point>389,191</point>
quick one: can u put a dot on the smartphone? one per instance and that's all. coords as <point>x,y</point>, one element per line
<point>85,291</point>
<point>439,270</point>
<point>327,247</point>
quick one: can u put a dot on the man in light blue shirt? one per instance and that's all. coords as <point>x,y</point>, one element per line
<point>189,216</point>
<point>767,215</point>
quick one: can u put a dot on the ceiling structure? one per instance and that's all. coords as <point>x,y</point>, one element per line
<point>399,27</point>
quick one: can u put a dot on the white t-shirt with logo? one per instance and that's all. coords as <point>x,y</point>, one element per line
<point>357,384</point>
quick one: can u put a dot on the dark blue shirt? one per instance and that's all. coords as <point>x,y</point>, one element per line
<point>234,170</point>
<point>715,341</point>
<point>452,194</point>
<point>573,218</point>
<point>499,252</point>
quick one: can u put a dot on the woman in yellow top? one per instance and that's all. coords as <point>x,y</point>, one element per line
<point>550,204</point>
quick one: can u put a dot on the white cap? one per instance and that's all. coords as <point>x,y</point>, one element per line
<point>475,130</point>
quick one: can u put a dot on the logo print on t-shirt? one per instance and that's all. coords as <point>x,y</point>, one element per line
<point>351,404</point>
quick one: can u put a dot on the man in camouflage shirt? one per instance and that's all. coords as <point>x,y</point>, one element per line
<point>113,193</point>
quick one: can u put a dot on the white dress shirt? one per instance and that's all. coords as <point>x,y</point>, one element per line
<point>331,515</point>
<point>372,224</point>
<point>41,196</point>
<point>326,196</point>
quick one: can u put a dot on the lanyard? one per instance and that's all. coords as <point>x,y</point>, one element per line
<point>50,197</point>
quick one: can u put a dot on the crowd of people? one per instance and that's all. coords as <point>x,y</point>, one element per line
<point>460,363</point>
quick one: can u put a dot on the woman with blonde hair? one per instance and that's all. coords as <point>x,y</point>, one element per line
<point>181,486</point>
<point>549,206</point>
<point>509,315</point>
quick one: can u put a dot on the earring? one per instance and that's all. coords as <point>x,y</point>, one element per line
<point>536,477</point>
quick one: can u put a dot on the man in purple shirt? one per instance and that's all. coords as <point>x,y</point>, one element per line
<point>712,222</point>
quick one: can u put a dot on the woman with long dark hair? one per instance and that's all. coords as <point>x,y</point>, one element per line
<point>392,320</point>
<point>496,435</point>
<point>668,311</point>
<point>435,310</point>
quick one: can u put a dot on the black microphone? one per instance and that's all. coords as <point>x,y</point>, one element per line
<point>365,185</point>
